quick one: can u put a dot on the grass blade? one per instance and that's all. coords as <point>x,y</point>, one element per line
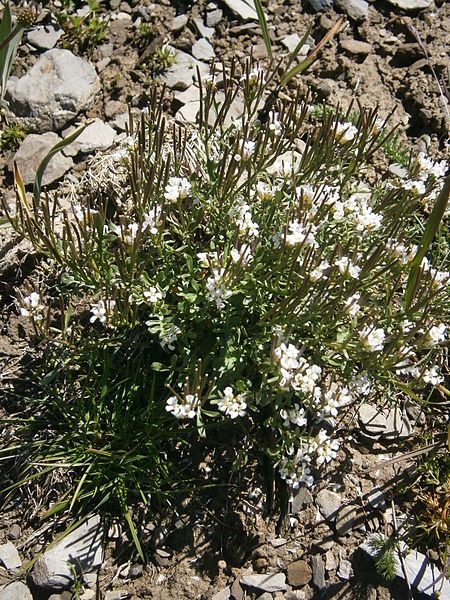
<point>56,148</point>
<point>10,39</point>
<point>432,227</point>
<point>264,29</point>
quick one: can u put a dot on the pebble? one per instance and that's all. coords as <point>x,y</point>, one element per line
<point>345,519</point>
<point>345,571</point>
<point>411,4</point>
<point>299,573</point>
<point>202,50</point>
<point>14,532</point>
<point>320,5</point>
<point>188,113</point>
<point>328,503</point>
<point>237,593</point>
<point>222,594</point>
<point>376,499</point>
<point>205,32</point>
<point>398,171</point>
<point>356,47</point>
<point>318,569</point>
<point>15,591</point>
<point>389,423</point>
<point>244,10</point>
<point>178,23</point>
<point>182,73</point>
<point>330,561</point>
<point>277,542</point>
<point>44,37</point>
<point>269,582</point>
<point>291,41</point>
<point>31,153</point>
<point>9,557</point>
<point>357,10</point>
<point>214,17</point>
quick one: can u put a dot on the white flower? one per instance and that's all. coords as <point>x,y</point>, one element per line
<point>217,290</point>
<point>406,326</point>
<point>233,405</point>
<point>183,409</point>
<point>319,272</point>
<point>417,187</point>
<point>345,132</point>
<point>177,188</point>
<point>264,191</point>
<point>352,304</point>
<point>127,233</point>
<point>436,334</point>
<point>102,310</point>
<point>255,75</point>
<point>168,336</point>
<point>153,295</point>
<point>275,124</point>
<point>372,339</point>
<point>248,148</point>
<point>295,415</point>
<point>243,256</point>
<point>433,376</point>
<point>33,307</point>
<point>361,384</point>
<point>295,474</point>
<point>335,397</point>
<point>347,267</point>
<point>78,212</point>
<point>437,169</point>
<point>439,279</point>
<point>326,448</point>
<point>299,234</point>
<point>152,220</point>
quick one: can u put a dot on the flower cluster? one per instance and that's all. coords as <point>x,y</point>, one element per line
<point>33,307</point>
<point>231,404</point>
<point>183,408</point>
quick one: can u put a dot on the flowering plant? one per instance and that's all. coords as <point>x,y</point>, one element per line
<point>260,263</point>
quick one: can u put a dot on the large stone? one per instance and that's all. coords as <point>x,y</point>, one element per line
<point>9,557</point>
<point>345,519</point>
<point>422,574</point>
<point>44,37</point>
<point>390,423</point>
<point>55,90</point>
<point>33,150</point>
<point>318,569</point>
<point>97,136</point>
<point>329,503</point>
<point>182,73</point>
<point>265,583</point>
<point>412,4</point>
<point>357,10</point>
<point>300,498</point>
<point>80,551</point>
<point>299,573</point>
<point>244,10</point>
<point>16,591</point>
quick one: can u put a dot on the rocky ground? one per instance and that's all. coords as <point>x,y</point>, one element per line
<point>391,54</point>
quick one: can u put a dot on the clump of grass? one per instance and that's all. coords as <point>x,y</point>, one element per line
<point>249,286</point>
<point>83,32</point>
<point>386,556</point>
<point>12,136</point>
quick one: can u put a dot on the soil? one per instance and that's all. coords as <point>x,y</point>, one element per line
<point>206,543</point>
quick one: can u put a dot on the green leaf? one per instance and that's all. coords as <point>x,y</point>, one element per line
<point>431,229</point>
<point>264,29</point>
<point>8,52</point>
<point>134,535</point>
<point>56,148</point>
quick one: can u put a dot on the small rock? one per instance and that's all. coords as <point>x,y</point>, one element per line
<point>277,542</point>
<point>236,591</point>
<point>188,113</point>
<point>422,574</point>
<point>398,171</point>
<point>182,73</point>
<point>329,503</point>
<point>330,561</point>
<point>320,5</point>
<point>259,51</point>
<point>63,596</point>
<point>97,136</point>
<point>33,150</point>
<point>90,580</point>
<point>275,582</point>
<point>376,499</point>
<point>244,10</point>
<point>136,570</point>
<point>178,23</point>
<point>117,595</point>
<point>54,91</point>
<point>205,32</point>
<point>202,50</point>
<point>299,573</point>
<point>345,519</point>
<point>192,94</point>
<point>318,569</point>
<point>214,17</point>
<point>356,47</point>
<point>357,10</point>
<point>15,591</point>
<point>44,37</point>
<point>222,595</point>
<point>14,532</point>
<point>345,571</point>
<point>82,549</point>
<point>265,596</point>
<point>291,41</point>
<point>411,4</point>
